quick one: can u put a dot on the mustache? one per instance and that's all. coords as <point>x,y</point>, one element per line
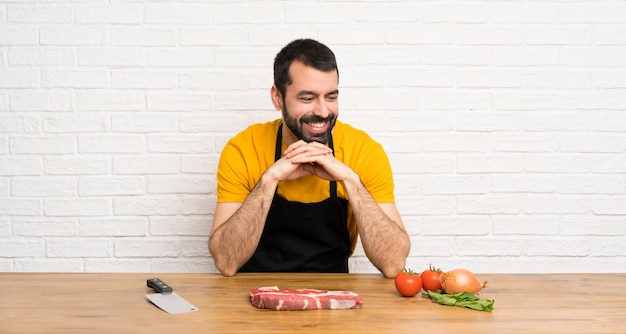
<point>317,119</point>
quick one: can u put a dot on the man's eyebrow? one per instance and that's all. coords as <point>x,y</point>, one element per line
<point>309,92</point>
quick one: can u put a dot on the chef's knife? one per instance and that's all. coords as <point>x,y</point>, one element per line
<point>166,299</point>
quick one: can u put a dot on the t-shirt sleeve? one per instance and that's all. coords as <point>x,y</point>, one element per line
<point>232,181</point>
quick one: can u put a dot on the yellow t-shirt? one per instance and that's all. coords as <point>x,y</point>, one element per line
<point>247,155</point>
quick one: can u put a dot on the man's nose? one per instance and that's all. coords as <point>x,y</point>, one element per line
<point>321,108</point>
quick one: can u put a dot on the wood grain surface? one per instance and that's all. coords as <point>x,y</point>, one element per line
<point>116,303</point>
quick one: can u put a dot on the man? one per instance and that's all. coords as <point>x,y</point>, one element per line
<point>294,194</point>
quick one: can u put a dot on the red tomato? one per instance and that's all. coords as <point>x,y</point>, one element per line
<point>408,283</point>
<point>431,279</point>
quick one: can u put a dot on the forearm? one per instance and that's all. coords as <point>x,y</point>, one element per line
<point>385,241</point>
<point>234,241</point>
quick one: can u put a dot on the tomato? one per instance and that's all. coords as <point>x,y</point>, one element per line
<point>431,279</point>
<point>408,283</point>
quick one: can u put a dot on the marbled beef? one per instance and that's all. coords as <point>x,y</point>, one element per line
<point>273,298</point>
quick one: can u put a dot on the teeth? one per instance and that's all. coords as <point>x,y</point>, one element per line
<point>317,125</point>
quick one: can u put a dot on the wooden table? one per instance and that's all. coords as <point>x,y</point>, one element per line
<point>116,303</point>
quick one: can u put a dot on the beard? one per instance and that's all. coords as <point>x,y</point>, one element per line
<point>295,126</point>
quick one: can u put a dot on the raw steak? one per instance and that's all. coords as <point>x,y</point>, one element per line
<point>273,298</point>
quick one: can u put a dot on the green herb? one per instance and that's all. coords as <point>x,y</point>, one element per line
<point>463,299</point>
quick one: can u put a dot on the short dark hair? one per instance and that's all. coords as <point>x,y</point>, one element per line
<point>307,51</point>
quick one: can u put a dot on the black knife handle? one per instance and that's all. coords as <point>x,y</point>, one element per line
<point>159,286</point>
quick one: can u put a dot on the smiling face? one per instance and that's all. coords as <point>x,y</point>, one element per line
<point>309,105</point>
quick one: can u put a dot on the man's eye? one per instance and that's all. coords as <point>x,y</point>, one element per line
<point>306,99</point>
<point>332,97</point>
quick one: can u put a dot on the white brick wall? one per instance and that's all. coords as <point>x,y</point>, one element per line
<point>505,123</point>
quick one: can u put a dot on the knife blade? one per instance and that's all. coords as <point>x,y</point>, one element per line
<point>166,299</point>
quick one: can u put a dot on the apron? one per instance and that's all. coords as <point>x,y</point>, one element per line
<point>303,237</point>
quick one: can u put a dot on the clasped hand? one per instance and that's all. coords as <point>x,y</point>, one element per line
<point>302,159</point>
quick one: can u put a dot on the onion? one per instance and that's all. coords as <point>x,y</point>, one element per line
<point>461,280</point>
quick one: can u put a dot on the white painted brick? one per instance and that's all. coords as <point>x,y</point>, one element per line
<point>490,163</point>
<point>525,142</point>
<point>77,207</point>
<point>229,35</point>
<point>614,163</point>
<point>594,100</point>
<point>200,123</point>
<point>432,246</point>
<point>146,206</point>
<point>179,13</point>
<point>211,80</point>
<point>483,246</point>
<point>41,56</point>
<point>558,121</point>
<point>596,143</point>
<point>351,34</point>
<point>41,100</point>
<point>179,101</point>
<point>6,265</point>
<point>112,56</point>
<point>407,144</point>
<point>110,14</point>
<point>587,12</point>
<point>19,36</point>
<point>19,78</point>
<point>609,34</point>
<point>607,246</point>
<point>237,57</point>
<point>420,121</point>
<point>456,142</point>
<point>558,79</point>
<point>526,225</point>
<point>250,13</point>
<point>526,56</point>
<point>144,122</point>
<point>273,35</point>
<point>151,164</point>
<point>458,55</point>
<point>72,122</point>
<point>181,143</point>
<point>25,248</point>
<point>111,100</point>
<point>557,163</point>
<point>524,12</point>
<point>471,34</point>
<point>42,145</point>
<point>482,78</point>
<point>457,225</point>
<point>489,204</point>
<point>194,247</point>
<point>190,56</point>
<point>396,54</point>
<point>68,248</point>
<point>420,78</point>
<point>76,165</point>
<point>133,247</point>
<point>143,36</point>
<point>427,205</point>
<point>13,122</point>
<point>372,12</point>
<point>33,227</point>
<point>586,56</point>
<point>182,265</point>
<point>478,120</point>
<point>608,205</point>
<point>111,143</point>
<point>180,184</point>
<point>58,78</point>
<point>113,227</point>
<point>40,14</point>
<point>73,35</point>
<point>523,100</point>
<point>592,226</point>
<point>198,205</point>
<point>144,79</point>
<point>104,265</point>
<point>4,189</point>
<point>201,164</point>
<point>551,264</point>
<point>525,183</point>
<point>5,227</point>
<point>455,100</point>
<point>58,265</point>
<point>181,226</point>
<point>468,13</point>
<point>422,163</point>
<point>323,12</point>
<point>43,187</point>
<point>20,165</point>
<point>609,79</point>
<point>556,247</point>
<point>560,34</point>
<point>556,204</point>
<point>591,184</point>
<point>455,184</point>
<point>111,186</point>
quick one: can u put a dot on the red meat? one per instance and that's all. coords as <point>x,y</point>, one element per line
<point>273,298</point>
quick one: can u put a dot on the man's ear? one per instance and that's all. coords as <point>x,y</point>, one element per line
<point>277,98</point>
